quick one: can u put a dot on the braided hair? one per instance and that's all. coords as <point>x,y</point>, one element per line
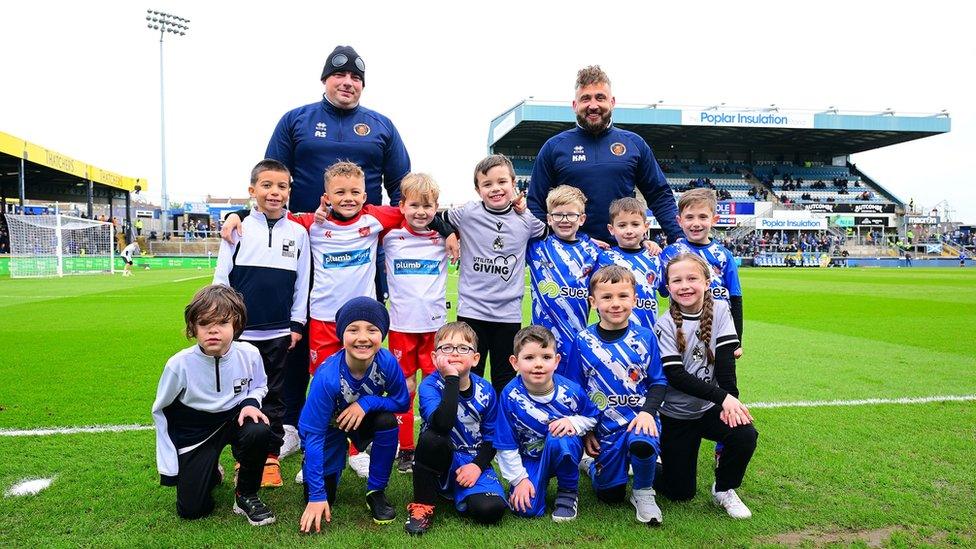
<point>705,321</point>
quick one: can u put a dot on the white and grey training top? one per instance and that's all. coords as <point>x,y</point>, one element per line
<point>198,393</point>
<point>492,272</point>
<point>677,404</point>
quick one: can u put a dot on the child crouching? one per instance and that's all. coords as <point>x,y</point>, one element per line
<point>454,451</point>
<point>209,396</point>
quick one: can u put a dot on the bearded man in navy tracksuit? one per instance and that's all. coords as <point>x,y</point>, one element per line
<point>603,161</point>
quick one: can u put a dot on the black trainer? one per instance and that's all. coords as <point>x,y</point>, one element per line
<point>257,513</point>
<point>420,518</point>
<point>383,512</point>
<point>404,461</point>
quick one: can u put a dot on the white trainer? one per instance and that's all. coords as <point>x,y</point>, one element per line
<point>360,464</point>
<point>584,466</point>
<point>730,501</point>
<point>291,444</point>
<point>647,510</point>
<point>300,477</point>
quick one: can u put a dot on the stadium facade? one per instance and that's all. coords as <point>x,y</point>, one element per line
<point>774,169</point>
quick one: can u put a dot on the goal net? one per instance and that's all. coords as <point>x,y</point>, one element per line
<point>58,245</point>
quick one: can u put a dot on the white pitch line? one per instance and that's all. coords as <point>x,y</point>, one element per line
<point>862,402</point>
<point>755,405</point>
<point>193,278</point>
<point>73,430</point>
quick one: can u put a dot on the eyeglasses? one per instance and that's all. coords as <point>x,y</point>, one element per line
<point>565,216</point>
<point>340,59</point>
<point>448,349</point>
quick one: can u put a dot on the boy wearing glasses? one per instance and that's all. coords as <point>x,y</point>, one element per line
<point>560,266</point>
<point>455,450</point>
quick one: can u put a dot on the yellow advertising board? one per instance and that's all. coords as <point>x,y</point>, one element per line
<point>19,148</point>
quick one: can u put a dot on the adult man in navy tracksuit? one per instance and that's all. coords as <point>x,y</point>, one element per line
<point>309,139</point>
<point>603,161</point>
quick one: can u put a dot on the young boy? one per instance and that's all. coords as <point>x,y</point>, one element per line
<point>618,364</point>
<point>560,266</point>
<point>628,224</point>
<point>269,268</point>
<point>209,396</point>
<point>541,417</point>
<point>492,281</point>
<point>416,273</point>
<point>127,253</point>
<point>454,451</point>
<point>353,395</point>
<point>696,215</point>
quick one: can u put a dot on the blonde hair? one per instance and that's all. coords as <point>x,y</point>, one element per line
<point>565,195</point>
<point>215,303</point>
<point>460,328</point>
<point>419,185</point>
<point>591,75</point>
<point>343,168</point>
<point>695,197</point>
<point>705,321</point>
<point>612,274</point>
<point>628,204</point>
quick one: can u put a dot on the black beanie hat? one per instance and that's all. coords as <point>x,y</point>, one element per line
<point>362,308</point>
<point>343,59</point>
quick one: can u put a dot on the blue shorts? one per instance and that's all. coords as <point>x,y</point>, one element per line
<point>609,469</point>
<point>487,483</point>
<point>560,458</point>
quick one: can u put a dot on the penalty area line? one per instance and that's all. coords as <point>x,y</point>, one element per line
<point>755,405</point>
<point>192,278</point>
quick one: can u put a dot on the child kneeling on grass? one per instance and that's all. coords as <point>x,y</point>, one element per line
<point>617,363</point>
<point>541,417</point>
<point>454,451</point>
<point>354,395</point>
<point>697,339</point>
<point>209,396</point>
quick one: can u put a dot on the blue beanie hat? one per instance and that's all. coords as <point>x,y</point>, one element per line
<point>362,308</point>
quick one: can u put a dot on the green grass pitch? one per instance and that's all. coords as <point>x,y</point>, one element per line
<point>88,351</point>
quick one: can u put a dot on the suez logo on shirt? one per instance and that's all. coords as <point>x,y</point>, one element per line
<point>552,290</point>
<point>416,267</point>
<point>352,258</point>
<point>603,401</point>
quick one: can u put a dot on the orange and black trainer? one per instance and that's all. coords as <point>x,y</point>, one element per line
<point>420,517</point>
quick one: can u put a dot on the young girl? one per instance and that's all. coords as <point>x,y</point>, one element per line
<point>697,339</point>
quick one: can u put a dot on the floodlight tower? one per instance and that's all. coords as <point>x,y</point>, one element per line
<point>164,23</point>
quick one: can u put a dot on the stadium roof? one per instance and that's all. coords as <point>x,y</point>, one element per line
<point>523,128</point>
<point>48,166</point>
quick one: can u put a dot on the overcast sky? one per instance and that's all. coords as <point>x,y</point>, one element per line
<point>83,77</point>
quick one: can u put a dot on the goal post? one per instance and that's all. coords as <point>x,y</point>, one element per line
<point>58,245</point>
